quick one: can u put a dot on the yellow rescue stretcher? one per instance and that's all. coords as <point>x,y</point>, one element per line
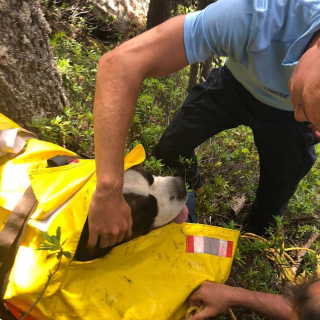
<point>147,278</point>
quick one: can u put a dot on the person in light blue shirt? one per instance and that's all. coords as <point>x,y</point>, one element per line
<point>263,42</point>
<point>273,65</point>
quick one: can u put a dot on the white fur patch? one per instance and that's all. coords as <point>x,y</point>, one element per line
<point>164,189</point>
<point>134,182</point>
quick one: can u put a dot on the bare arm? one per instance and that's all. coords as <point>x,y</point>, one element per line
<point>155,53</point>
<point>218,298</point>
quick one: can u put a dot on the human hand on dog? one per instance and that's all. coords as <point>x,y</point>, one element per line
<point>109,219</point>
<point>216,297</point>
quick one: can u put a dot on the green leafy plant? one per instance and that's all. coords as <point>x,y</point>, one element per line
<point>308,264</point>
<point>53,244</point>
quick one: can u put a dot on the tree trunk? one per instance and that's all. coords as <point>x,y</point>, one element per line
<point>205,71</point>
<point>30,83</point>
<point>204,3</point>
<point>159,11</point>
<point>193,76</point>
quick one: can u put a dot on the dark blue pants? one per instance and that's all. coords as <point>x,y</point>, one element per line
<point>285,146</point>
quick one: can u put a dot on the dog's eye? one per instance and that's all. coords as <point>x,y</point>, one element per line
<point>172,198</point>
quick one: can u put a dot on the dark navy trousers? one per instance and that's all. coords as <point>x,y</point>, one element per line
<point>285,146</point>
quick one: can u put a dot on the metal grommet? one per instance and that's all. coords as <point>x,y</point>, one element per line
<point>312,141</point>
<point>212,82</point>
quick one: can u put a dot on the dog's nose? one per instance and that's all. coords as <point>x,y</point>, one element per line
<point>181,188</point>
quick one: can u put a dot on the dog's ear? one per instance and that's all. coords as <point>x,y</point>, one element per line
<point>144,211</point>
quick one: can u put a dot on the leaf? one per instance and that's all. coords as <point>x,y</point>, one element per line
<point>55,241</point>
<point>298,272</point>
<point>42,248</point>
<point>50,255</point>
<point>67,254</point>
<point>64,242</point>
<point>59,255</point>
<point>48,247</point>
<point>58,234</point>
<point>46,244</point>
<point>47,237</point>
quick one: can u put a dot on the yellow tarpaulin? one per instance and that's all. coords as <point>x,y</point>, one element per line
<point>146,278</point>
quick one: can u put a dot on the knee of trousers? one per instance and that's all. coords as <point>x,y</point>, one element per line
<point>308,163</point>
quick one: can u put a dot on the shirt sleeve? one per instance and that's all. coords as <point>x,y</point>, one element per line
<point>223,28</point>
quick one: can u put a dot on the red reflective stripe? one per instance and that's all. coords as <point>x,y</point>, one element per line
<point>213,246</point>
<point>229,249</point>
<point>17,312</point>
<point>190,244</point>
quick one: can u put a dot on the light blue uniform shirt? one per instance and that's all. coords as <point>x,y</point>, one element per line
<point>263,40</point>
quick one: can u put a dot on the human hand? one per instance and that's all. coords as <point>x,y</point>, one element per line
<point>315,132</point>
<point>109,218</point>
<point>216,297</point>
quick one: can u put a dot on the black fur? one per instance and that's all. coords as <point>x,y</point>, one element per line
<point>143,210</point>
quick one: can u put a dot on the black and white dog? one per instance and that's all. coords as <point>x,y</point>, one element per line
<point>154,202</point>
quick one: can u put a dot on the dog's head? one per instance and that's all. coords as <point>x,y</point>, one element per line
<point>154,202</point>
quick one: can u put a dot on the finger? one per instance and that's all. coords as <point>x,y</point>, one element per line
<point>129,229</point>
<point>104,242</point>
<point>204,314</point>
<point>195,299</point>
<point>120,236</point>
<point>112,239</point>
<point>316,133</point>
<point>93,239</point>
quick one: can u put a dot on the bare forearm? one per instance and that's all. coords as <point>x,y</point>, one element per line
<point>109,215</point>
<point>271,306</point>
<point>115,98</point>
